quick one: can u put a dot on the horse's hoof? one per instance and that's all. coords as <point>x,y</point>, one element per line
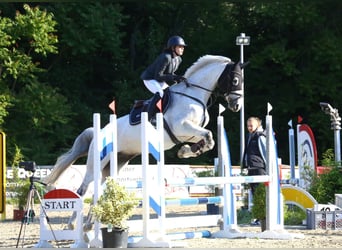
<point>186,152</point>
<point>183,151</point>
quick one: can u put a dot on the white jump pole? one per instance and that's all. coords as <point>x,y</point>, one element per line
<point>104,139</point>
<point>229,210</point>
<point>145,163</point>
<point>161,182</point>
<point>146,138</point>
<point>273,193</point>
<point>96,242</point>
<point>114,152</point>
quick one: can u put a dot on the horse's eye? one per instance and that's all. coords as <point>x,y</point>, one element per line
<point>236,81</point>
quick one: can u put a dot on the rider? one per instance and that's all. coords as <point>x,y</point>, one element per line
<point>161,72</point>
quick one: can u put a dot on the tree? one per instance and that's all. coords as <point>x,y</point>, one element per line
<point>103,47</point>
<point>31,110</point>
<point>295,57</point>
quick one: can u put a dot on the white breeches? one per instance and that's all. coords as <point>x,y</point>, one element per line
<point>154,86</point>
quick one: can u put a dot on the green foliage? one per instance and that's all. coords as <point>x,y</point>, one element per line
<point>326,185</point>
<point>90,27</point>
<point>293,215</point>
<point>259,202</point>
<point>103,48</point>
<point>115,205</point>
<point>243,216</point>
<point>5,103</point>
<point>328,158</point>
<point>206,173</point>
<point>26,39</point>
<point>23,190</point>
<point>23,38</point>
<point>42,109</point>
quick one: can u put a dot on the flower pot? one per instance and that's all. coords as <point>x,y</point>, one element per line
<point>117,238</point>
<point>18,214</point>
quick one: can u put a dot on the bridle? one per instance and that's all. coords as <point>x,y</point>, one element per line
<point>226,73</point>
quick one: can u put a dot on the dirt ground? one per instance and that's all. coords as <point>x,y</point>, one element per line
<point>30,234</point>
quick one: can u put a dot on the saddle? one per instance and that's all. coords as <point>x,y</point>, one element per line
<point>142,106</point>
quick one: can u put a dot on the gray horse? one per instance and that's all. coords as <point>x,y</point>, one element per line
<point>186,118</point>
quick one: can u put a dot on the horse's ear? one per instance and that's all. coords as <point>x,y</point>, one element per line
<point>243,65</point>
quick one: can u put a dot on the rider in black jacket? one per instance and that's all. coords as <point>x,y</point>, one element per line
<point>161,73</point>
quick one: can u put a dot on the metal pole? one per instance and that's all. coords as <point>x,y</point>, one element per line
<point>242,111</point>
<point>336,126</point>
<point>337,145</point>
<point>292,152</point>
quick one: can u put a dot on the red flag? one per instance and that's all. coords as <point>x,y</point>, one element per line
<point>300,119</point>
<point>112,106</point>
<point>159,105</point>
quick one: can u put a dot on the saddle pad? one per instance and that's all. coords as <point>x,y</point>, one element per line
<point>135,113</point>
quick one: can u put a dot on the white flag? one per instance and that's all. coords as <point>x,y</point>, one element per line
<point>269,108</point>
<point>221,108</point>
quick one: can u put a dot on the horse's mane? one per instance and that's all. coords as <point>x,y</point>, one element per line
<point>204,61</point>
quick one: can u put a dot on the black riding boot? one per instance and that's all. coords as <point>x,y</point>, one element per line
<point>152,109</point>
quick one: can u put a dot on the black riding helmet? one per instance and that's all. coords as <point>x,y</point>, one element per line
<point>175,41</point>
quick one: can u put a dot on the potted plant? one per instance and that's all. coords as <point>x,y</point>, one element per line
<point>259,205</point>
<point>112,209</point>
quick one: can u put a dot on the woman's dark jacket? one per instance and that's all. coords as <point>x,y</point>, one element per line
<point>255,151</point>
<point>163,68</point>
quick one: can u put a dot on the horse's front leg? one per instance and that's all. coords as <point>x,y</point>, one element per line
<point>205,143</point>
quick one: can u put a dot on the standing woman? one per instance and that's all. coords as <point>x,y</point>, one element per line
<point>161,73</point>
<point>254,159</point>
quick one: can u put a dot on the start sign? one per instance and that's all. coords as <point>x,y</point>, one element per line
<point>62,200</point>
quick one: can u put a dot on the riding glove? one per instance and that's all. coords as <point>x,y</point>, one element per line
<point>179,79</point>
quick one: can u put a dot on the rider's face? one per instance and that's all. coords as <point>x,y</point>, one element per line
<point>179,50</point>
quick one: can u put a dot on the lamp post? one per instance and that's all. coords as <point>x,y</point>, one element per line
<point>242,40</point>
<point>335,125</point>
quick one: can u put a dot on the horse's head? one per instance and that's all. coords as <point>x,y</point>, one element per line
<point>230,83</point>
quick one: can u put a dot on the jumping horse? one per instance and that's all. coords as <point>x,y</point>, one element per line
<point>185,119</point>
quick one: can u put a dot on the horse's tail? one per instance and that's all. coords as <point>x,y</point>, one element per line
<point>79,149</point>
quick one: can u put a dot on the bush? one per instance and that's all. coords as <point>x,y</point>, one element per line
<point>115,205</point>
<point>293,215</point>
<point>243,216</point>
<point>259,202</point>
<point>325,186</point>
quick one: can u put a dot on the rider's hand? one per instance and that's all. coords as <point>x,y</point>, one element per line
<point>179,79</point>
